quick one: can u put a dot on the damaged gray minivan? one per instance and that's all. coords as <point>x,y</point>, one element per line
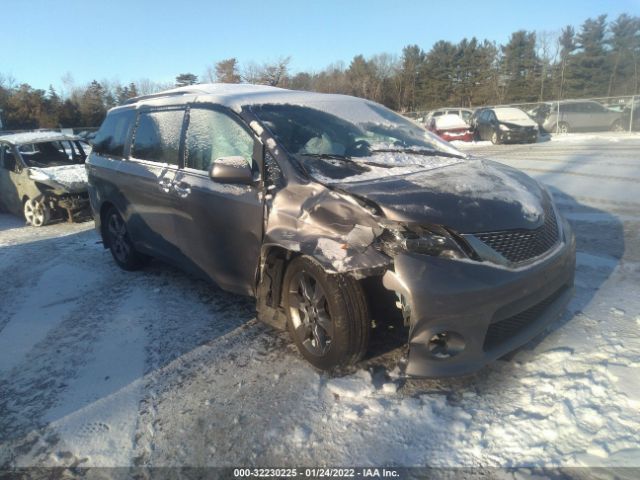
<point>316,203</point>
<point>42,177</point>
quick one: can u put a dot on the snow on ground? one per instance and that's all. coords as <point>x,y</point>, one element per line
<point>158,368</point>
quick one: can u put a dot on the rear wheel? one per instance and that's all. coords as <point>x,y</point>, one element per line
<point>327,314</point>
<point>120,243</point>
<point>617,126</point>
<point>563,127</point>
<point>36,212</point>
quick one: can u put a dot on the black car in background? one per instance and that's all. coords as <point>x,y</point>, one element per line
<point>331,209</point>
<point>504,125</point>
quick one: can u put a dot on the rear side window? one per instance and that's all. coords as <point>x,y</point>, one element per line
<point>112,136</point>
<point>157,136</point>
<point>212,134</point>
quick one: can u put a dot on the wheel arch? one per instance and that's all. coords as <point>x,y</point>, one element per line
<point>269,280</point>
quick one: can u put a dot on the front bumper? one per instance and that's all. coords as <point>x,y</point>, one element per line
<point>76,205</point>
<point>516,136</point>
<point>492,309</point>
<point>451,136</point>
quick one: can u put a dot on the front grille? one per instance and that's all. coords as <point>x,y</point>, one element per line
<point>522,244</point>
<point>503,330</point>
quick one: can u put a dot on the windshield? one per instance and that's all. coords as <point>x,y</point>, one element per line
<point>51,154</point>
<point>510,114</point>
<point>350,128</point>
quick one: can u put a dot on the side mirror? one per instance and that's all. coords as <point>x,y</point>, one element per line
<point>231,170</point>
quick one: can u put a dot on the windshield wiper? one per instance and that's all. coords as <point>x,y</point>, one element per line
<point>330,156</point>
<point>430,153</point>
<point>333,156</point>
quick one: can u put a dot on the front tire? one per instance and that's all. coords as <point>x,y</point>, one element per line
<point>495,138</point>
<point>327,314</point>
<point>36,212</point>
<point>120,244</point>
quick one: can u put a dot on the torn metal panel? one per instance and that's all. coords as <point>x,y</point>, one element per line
<point>331,227</point>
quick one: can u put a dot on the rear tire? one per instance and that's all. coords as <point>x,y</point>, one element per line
<point>563,127</point>
<point>617,126</point>
<point>327,314</point>
<point>120,244</point>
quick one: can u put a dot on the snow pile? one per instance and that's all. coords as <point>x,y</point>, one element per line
<point>514,115</point>
<point>449,121</point>
<point>109,369</point>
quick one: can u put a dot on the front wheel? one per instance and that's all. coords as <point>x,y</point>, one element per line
<point>36,212</point>
<point>120,244</point>
<point>495,138</point>
<point>327,314</point>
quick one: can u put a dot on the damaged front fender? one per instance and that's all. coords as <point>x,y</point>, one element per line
<point>329,226</point>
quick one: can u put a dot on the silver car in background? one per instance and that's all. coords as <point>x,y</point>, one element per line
<point>579,116</point>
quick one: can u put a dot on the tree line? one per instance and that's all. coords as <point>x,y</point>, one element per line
<point>599,58</point>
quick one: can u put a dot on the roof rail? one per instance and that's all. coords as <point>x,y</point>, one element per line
<point>162,94</point>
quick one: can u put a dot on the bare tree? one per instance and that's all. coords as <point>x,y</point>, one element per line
<point>273,74</point>
<point>548,49</point>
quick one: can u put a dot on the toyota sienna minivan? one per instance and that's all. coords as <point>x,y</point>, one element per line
<point>315,204</point>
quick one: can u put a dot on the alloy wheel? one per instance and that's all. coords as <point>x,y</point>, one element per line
<point>310,313</point>
<point>35,212</point>
<point>118,238</point>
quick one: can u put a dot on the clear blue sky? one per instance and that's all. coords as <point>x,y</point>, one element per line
<point>130,39</point>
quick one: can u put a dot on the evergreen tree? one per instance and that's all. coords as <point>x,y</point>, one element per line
<point>226,71</point>
<point>92,106</point>
<point>436,78</point>
<point>412,63</point>
<point>521,65</point>
<point>69,114</point>
<point>185,79</point>
<point>590,63</point>
<point>625,47</point>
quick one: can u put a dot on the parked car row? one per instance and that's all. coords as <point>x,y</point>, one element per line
<point>499,125</point>
<point>512,124</point>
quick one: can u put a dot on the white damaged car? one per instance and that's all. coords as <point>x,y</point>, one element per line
<point>43,177</point>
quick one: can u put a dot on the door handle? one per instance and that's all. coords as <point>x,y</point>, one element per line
<point>182,189</point>
<point>165,185</point>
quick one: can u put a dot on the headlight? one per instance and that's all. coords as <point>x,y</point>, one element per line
<point>434,241</point>
<point>504,128</point>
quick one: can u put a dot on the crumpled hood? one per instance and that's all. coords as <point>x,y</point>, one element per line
<point>471,196</point>
<point>72,178</point>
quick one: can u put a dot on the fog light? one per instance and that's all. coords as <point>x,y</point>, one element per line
<point>446,344</point>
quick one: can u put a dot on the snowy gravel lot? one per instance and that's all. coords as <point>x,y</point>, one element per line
<point>100,367</point>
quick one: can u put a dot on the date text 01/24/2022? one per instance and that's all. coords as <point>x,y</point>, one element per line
<point>316,472</point>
